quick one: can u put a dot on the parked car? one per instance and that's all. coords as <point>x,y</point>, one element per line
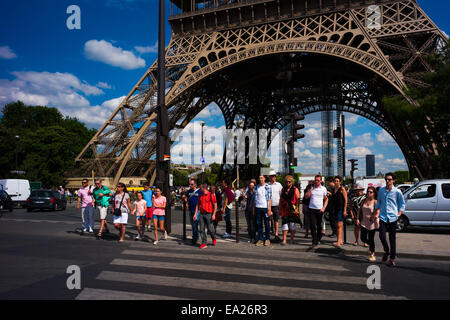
<point>6,202</point>
<point>427,204</point>
<point>46,199</point>
<point>18,190</point>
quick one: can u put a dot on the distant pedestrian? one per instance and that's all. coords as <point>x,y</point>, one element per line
<point>305,206</point>
<point>318,202</point>
<point>101,195</point>
<point>214,190</point>
<point>262,210</point>
<point>357,199</point>
<point>140,209</point>
<point>289,209</point>
<point>191,199</point>
<point>121,208</point>
<point>249,200</point>
<point>390,206</point>
<point>159,207</point>
<point>207,207</point>
<point>87,207</point>
<point>339,200</point>
<point>368,221</point>
<point>227,206</point>
<point>148,195</point>
<point>276,193</point>
<point>331,206</point>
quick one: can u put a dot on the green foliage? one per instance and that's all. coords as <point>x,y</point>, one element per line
<point>401,177</point>
<point>430,118</point>
<point>47,146</point>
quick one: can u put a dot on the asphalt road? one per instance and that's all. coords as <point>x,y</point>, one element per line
<point>36,249</point>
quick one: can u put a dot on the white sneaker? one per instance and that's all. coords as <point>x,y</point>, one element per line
<point>165,235</point>
<point>85,230</point>
<point>90,230</point>
<point>226,235</point>
<point>137,238</point>
<point>155,242</point>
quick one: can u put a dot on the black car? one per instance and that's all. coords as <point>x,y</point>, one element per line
<point>46,199</point>
<point>6,202</point>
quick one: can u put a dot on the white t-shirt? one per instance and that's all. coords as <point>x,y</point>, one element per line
<point>317,195</point>
<point>260,197</point>
<point>276,193</point>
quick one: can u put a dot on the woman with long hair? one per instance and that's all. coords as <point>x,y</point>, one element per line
<point>368,221</point>
<point>159,207</point>
<point>289,208</point>
<point>339,198</point>
<point>122,206</point>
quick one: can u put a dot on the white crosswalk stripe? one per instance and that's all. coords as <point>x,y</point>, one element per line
<point>157,273</point>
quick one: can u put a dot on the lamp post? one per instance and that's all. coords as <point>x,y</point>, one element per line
<point>202,123</point>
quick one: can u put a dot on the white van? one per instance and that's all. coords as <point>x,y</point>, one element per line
<point>18,189</point>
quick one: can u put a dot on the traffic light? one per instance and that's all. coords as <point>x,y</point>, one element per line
<point>296,127</point>
<point>354,164</point>
<point>337,133</point>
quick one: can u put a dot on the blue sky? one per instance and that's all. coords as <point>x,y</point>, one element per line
<point>85,73</point>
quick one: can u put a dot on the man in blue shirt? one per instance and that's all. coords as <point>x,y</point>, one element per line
<point>191,199</point>
<point>148,197</point>
<point>390,205</point>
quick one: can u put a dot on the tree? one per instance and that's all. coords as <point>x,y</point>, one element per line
<point>430,118</point>
<point>401,177</point>
<point>47,146</point>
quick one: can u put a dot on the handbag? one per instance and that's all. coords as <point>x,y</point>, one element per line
<point>118,211</point>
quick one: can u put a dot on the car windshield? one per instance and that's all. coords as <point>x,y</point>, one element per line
<point>41,193</point>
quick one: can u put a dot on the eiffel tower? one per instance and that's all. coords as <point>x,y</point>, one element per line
<point>261,59</point>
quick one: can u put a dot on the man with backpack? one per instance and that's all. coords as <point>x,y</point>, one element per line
<point>262,210</point>
<point>207,205</point>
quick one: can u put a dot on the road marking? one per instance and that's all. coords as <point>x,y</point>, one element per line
<point>243,271</point>
<point>239,287</point>
<point>265,261</point>
<point>101,294</point>
<point>47,221</point>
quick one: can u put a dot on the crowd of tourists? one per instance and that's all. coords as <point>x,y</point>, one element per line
<point>268,206</point>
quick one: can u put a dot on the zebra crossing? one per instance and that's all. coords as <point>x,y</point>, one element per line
<point>175,271</point>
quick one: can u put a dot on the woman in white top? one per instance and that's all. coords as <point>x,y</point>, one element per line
<point>122,205</point>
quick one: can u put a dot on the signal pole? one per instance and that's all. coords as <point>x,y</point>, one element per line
<point>295,136</point>
<point>163,144</point>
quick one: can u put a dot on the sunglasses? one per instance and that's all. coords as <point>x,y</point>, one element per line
<point>84,182</point>
<point>369,191</point>
<point>119,187</point>
<point>388,179</point>
<point>288,181</point>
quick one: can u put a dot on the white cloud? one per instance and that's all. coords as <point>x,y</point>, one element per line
<point>7,53</point>
<point>105,52</point>
<point>208,112</point>
<point>358,152</point>
<point>363,140</point>
<point>147,49</point>
<point>103,85</point>
<point>384,138</point>
<point>351,119</point>
<point>347,134</point>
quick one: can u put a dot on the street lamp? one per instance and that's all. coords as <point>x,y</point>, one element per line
<point>202,123</point>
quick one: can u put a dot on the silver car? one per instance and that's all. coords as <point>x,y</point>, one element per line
<point>427,204</point>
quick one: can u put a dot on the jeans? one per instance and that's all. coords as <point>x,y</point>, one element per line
<point>368,236</point>
<point>227,217</point>
<point>261,217</point>
<point>316,225</point>
<point>392,229</point>
<point>251,224</point>
<point>87,215</point>
<point>194,225</point>
<point>206,221</point>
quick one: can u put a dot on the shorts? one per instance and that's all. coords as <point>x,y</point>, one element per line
<point>123,219</point>
<point>149,212</point>
<point>289,226</point>
<point>144,217</point>
<point>275,213</point>
<point>159,218</point>
<point>340,216</point>
<point>103,212</point>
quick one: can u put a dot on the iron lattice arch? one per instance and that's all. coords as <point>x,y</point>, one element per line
<point>276,58</point>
